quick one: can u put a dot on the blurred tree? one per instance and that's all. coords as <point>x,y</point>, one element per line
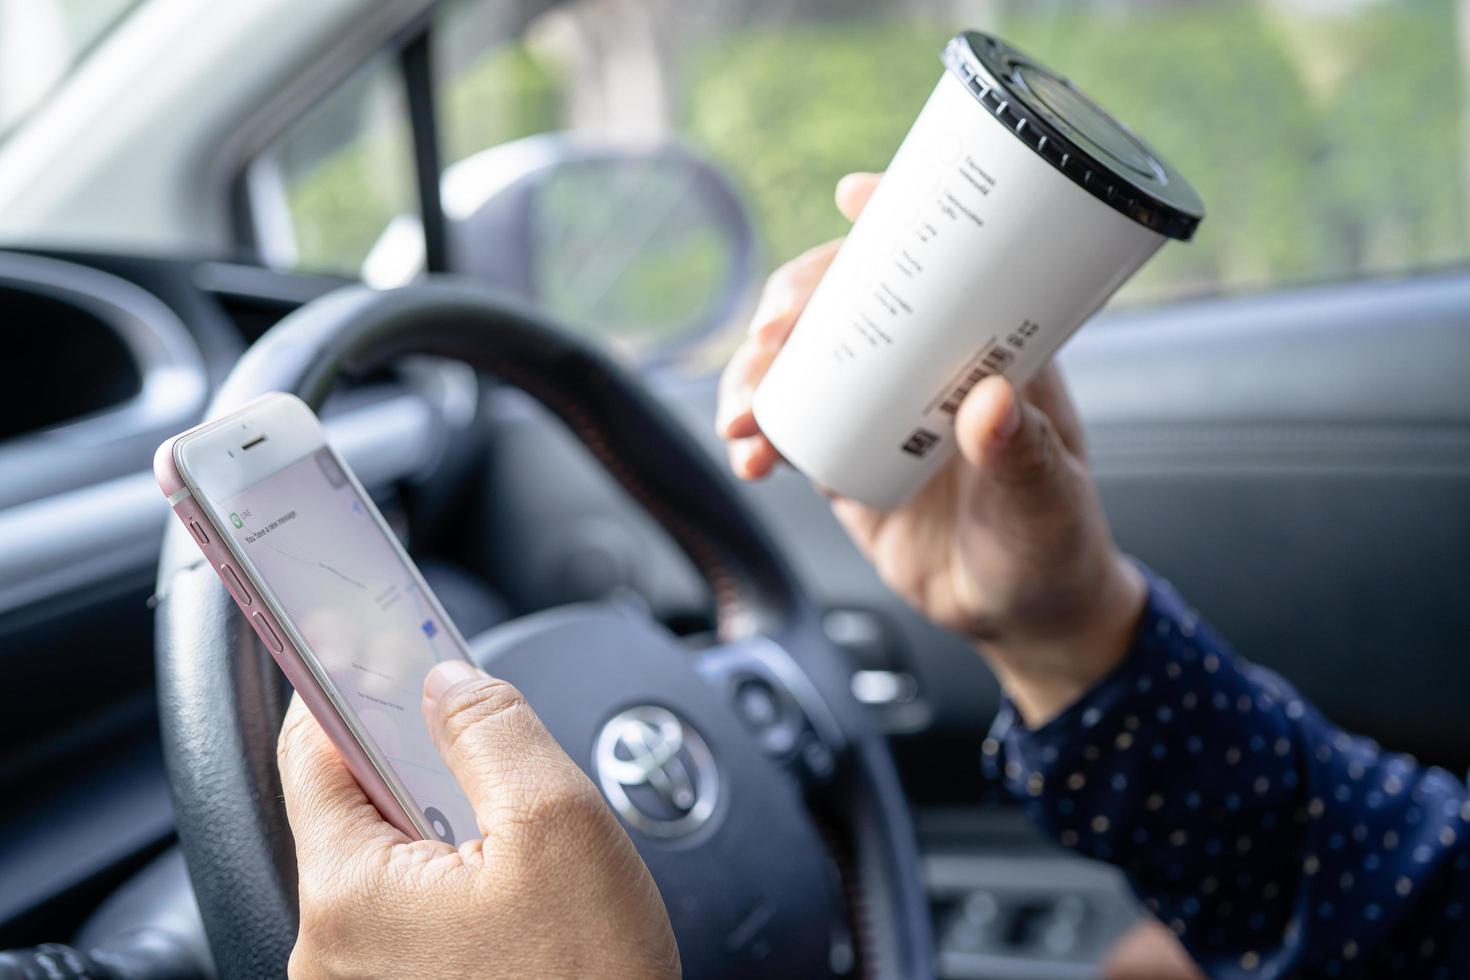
<point>493,88</point>
<point>615,59</point>
<point>1300,148</point>
<point>1326,136</point>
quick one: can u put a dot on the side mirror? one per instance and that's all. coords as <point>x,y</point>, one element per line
<point>650,249</point>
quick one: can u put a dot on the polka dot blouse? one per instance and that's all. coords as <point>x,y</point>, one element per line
<point>1271,842</point>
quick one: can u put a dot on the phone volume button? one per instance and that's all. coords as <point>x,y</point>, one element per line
<point>198,532</point>
<point>233,583</point>
<point>267,632</point>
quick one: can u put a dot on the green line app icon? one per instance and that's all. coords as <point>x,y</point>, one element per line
<point>235,519</point>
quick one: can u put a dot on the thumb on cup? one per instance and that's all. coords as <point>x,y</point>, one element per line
<point>1009,440</point>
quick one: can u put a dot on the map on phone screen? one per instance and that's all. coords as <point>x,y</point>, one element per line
<point>363,615</point>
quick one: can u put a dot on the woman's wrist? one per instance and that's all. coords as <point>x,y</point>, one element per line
<point>1045,673</point>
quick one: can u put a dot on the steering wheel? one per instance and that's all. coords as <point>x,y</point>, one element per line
<point>786,846</point>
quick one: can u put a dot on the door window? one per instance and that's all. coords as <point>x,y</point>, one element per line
<point>1327,138</point>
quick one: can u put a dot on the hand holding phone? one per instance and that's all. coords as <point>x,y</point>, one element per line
<point>331,593</point>
<point>558,891</point>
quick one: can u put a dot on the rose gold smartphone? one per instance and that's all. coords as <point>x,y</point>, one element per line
<point>331,593</point>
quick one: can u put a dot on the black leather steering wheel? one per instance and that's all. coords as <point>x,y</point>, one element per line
<point>808,838</point>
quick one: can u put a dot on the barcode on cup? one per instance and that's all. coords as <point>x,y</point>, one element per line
<point>994,361</point>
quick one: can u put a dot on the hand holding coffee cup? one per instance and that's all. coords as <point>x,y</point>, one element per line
<point>1008,544</point>
<point>884,366</point>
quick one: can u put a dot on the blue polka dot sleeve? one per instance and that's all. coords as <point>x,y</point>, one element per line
<point>1271,842</point>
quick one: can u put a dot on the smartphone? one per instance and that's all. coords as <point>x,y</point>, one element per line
<point>323,581</point>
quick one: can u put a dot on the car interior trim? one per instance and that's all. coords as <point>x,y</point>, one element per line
<point>174,383</point>
<point>84,537</point>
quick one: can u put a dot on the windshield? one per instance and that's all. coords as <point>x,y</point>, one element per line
<point>43,41</point>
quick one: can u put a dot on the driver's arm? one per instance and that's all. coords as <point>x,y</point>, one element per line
<point>1272,843</point>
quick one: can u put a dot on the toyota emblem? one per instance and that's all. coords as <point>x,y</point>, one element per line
<point>656,772</point>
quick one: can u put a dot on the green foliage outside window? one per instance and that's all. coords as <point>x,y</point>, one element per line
<point>342,200</point>
<point>1324,148</point>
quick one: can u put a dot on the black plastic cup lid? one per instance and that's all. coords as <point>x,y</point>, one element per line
<point>1075,135</point>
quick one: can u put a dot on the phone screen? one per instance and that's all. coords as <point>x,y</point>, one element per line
<point>358,604</point>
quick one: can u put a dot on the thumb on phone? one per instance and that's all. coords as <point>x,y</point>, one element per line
<point>514,772</point>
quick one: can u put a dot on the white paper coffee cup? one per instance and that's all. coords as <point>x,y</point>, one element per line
<point>1011,212</point>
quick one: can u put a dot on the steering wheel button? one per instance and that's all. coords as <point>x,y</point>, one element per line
<point>818,759</point>
<point>233,583</point>
<point>757,704</point>
<point>267,632</point>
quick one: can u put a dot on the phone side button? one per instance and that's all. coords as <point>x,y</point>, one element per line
<point>199,534</point>
<point>267,632</point>
<point>233,583</point>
